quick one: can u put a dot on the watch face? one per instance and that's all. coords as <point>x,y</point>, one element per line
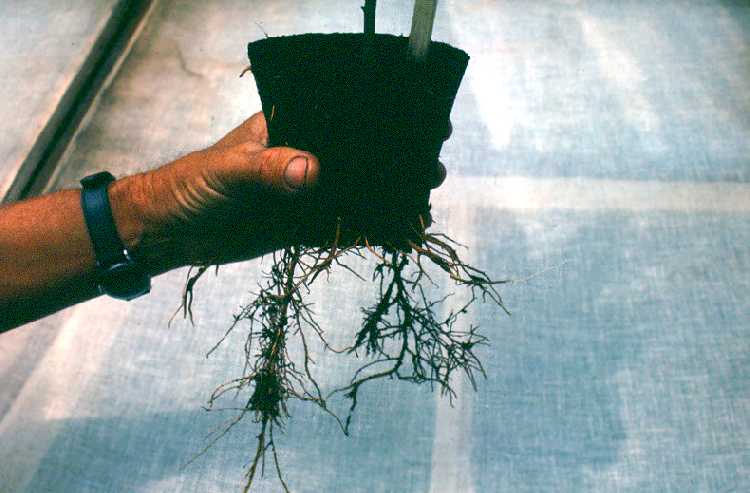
<point>124,281</point>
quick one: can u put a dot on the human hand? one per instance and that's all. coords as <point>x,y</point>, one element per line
<point>229,202</point>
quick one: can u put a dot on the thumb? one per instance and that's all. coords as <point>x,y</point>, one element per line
<point>285,169</point>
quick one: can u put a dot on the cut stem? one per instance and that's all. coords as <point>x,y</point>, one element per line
<point>369,11</point>
<point>369,44</point>
<point>421,28</point>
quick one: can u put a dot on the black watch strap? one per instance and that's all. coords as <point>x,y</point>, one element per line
<point>117,274</point>
<point>108,247</point>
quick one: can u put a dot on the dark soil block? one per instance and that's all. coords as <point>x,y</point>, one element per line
<point>374,117</point>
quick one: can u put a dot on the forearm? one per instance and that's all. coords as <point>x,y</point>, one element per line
<point>46,258</point>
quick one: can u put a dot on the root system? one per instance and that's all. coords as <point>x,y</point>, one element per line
<point>401,335</point>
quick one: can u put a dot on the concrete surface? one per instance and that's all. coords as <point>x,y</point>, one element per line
<point>599,157</point>
<point>48,49</point>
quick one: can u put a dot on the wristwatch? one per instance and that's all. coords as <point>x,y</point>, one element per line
<point>117,273</point>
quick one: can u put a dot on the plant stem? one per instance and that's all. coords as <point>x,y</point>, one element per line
<point>369,11</point>
<point>369,41</point>
<point>421,28</point>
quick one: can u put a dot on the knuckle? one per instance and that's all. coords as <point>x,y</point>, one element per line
<point>268,167</point>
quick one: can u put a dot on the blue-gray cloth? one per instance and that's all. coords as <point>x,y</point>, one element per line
<point>600,158</point>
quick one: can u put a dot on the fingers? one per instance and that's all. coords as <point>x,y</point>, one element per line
<point>439,174</point>
<point>253,129</point>
<point>439,171</point>
<point>271,165</point>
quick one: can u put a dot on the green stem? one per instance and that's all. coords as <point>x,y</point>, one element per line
<point>369,11</point>
<point>369,42</point>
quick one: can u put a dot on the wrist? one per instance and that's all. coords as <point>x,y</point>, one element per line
<point>143,234</point>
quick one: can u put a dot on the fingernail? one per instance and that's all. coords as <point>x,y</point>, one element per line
<point>296,172</point>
